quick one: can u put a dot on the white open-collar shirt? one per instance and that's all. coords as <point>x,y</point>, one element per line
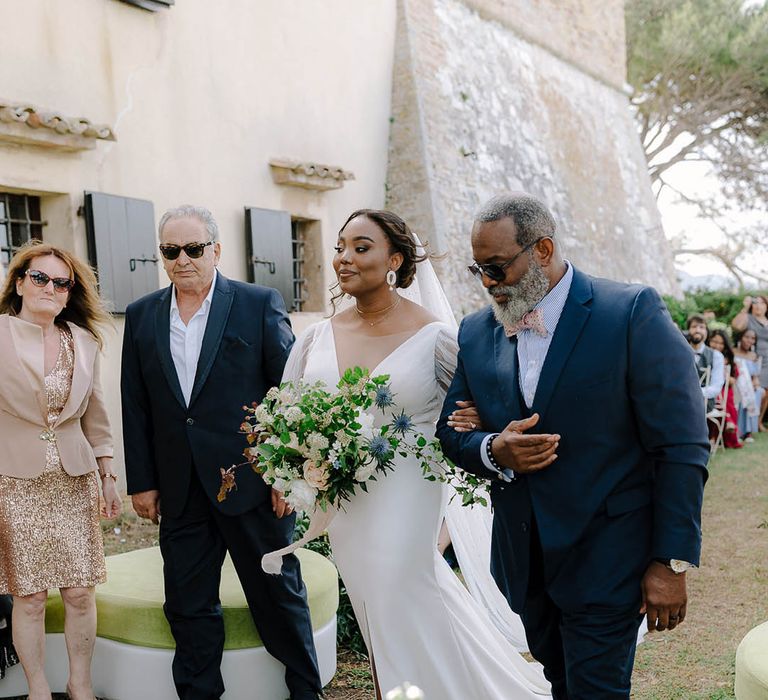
<point>187,340</point>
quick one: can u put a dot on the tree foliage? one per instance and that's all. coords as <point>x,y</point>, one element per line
<point>725,305</point>
<point>699,72</point>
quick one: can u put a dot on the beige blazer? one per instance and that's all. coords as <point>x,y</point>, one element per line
<point>82,431</point>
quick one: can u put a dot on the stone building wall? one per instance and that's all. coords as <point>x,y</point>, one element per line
<point>586,33</point>
<point>478,109</point>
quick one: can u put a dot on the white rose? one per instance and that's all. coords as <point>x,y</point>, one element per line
<point>365,471</point>
<point>366,421</point>
<point>316,475</point>
<point>301,495</point>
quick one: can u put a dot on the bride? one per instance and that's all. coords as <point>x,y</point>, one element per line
<point>419,622</point>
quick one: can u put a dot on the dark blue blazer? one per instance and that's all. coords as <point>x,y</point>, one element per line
<point>619,385</point>
<point>245,347</point>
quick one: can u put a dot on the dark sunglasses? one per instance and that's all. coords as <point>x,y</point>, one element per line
<point>40,279</point>
<point>497,271</point>
<point>193,250</point>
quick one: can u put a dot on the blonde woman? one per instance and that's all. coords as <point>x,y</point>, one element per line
<point>55,443</point>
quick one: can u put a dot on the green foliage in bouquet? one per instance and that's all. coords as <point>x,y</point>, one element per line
<point>318,447</point>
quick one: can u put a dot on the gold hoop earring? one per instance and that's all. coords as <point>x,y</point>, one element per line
<point>391,280</point>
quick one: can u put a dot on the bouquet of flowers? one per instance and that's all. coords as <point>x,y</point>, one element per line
<point>317,447</point>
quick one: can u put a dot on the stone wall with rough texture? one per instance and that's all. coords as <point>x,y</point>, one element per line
<point>584,32</point>
<point>477,109</point>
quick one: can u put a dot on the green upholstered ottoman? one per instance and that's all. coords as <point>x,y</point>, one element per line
<point>752,665</point>
<point>134,646</point>
<point>130,603</point>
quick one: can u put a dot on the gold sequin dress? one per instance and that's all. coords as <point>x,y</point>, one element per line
<point>49,526</point>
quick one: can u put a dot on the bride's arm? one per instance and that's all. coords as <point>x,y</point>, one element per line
<point>297,360</point>
<point>462,448</point>
<point>465,417</point>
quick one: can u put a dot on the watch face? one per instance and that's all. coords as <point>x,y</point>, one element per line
<point>679,566</point>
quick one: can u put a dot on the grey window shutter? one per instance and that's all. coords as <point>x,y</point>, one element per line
<point>122,247</point>
<point>270,252</point>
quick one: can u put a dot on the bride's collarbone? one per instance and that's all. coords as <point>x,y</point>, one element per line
<point>406,323</point>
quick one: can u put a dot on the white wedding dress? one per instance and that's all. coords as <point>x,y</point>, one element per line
<point>419,622</point>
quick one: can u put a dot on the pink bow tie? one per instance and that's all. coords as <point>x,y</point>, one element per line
<point>532,321</point>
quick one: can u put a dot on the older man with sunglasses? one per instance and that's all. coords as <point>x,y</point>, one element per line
<point>193,355</point>
<point>595,450</point>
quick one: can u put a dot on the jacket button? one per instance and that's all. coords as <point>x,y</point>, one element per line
<point>524,527</point>
<point>190,421</point>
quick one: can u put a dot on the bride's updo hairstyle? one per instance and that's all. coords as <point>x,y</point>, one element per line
<point>401,240</point>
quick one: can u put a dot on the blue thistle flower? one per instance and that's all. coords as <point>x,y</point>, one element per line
<point>402,423</point>
<point>384,397</point>
<point>379,448</point>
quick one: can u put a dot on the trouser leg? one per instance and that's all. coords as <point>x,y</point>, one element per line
<point>599,646</point>
<point>193,552</point>
<point>541,619</point>
<point>278,604</point>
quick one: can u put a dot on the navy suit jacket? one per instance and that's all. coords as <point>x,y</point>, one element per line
<point>619,385</point>
<point>246,344</point>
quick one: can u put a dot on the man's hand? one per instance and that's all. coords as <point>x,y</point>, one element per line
<point>147,505</point>
<point>279,505</point>
<point>524,453</point>
<point>664,597</point>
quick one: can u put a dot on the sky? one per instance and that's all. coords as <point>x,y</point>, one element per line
<point>681,219</point>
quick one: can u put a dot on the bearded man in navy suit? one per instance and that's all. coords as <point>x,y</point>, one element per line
<point>595,444</point>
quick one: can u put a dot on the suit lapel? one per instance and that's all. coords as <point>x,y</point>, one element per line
<point>575,314</point>
<point>22,368</point>
<point>507,375</point>
<point>163,340</point>
<point>214,330</point>
<point>82,373</point>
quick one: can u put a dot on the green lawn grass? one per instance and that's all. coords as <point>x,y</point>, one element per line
<point>728,595</point>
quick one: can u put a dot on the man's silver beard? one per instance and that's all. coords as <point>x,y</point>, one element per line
<point>521,297</point>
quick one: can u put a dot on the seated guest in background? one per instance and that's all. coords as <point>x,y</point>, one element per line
<point>754,317</point>
<point>750,391</point>
<point>55,443</point>
<point>706,359</point>
<point>718,341</point>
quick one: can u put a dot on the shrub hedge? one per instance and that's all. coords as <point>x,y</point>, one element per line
<point>725,305</point>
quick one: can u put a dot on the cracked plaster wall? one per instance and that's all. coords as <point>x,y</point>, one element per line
<point>477,110</point>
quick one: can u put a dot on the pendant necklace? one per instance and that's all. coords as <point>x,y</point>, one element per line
<point>387,311</point>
